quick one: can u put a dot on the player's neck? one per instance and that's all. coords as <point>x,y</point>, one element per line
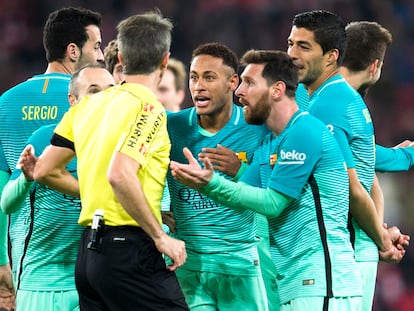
<point>151,80</point>
<point>328,73</point>
<point>214,122</point>
<point>60,67</point>
<point>355,79</point>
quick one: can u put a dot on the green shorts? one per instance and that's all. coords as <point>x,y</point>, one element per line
<point>369,277</point>
<point>47,301</point>
<point>207,291</point>
<point>316,303</point>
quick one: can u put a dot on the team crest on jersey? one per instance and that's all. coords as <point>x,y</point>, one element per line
<point>242,156</point>
<point>273,159</point>
<point>148,108</point>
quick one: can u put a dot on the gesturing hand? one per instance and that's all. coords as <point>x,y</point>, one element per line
<point>27,162</point>
<point>191,174</point>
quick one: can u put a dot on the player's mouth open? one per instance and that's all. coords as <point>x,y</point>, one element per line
<point>202,100</point>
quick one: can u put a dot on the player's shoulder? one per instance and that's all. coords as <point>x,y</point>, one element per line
<point>338,84</point>
<point>44,130</point>
<point>59,79</point>
<point>16,89</point>
<point>305,126</point>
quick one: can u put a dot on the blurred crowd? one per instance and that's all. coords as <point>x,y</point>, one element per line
<point>261,24</point>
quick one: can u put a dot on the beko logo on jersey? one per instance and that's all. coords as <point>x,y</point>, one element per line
<point>292,157</point>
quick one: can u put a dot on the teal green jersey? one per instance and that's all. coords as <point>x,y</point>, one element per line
<point>52,234</point>
<point>41,100</point>
<point>386,159</point>
<point>348,118</point>
<point>217,238</point>
<point>309,240</point>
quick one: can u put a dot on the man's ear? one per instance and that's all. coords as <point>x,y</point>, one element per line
<point>165,60</point>
<point>73,52</point>
<point>374,67</point>
<point>333,56</point>
<point>120,60</point>
<point>278,89</point>
<point>234,81</point>
<point>72,99</point>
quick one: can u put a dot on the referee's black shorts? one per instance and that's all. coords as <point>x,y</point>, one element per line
<point>128,273</point>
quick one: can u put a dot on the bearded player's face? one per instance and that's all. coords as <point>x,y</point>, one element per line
<point>253,93</point>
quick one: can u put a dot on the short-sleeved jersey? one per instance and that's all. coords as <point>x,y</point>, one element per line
<point>41,100</point>
<point>128,119</point>
<point>51,243</point>
<point>309,240</point>
<point>344,112</point>
<point>218,239</point>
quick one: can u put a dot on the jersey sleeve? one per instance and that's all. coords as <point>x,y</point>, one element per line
<point>141,133</point>
<point>240,196</point>
<point>65,126</point>
<point>298,154</point>
<point>393,159</point>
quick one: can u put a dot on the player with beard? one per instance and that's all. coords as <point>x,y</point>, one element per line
<point>317,43</point>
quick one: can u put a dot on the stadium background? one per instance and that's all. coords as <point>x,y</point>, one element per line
<point>259,24</point>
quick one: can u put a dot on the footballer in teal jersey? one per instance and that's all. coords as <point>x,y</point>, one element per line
<point>205,226</point>
<point>350,122</point>
<point>48,264</point>
<point>316,44</point>
<point>222,271</point>
<point>41,100</point>
<point>218,239</point>
<point>309,240</point>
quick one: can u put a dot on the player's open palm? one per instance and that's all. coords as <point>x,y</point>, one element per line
<point>192,174</point>
<point>27,162</point>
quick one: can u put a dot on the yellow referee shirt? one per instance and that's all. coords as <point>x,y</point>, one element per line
<point>126,118</point>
